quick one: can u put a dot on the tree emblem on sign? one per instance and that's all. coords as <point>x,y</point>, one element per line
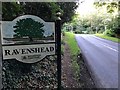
<point>28,28</point>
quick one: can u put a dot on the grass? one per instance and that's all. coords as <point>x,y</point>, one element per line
<point>62,48</point>
<point>62,45</point>
<point>108,37</point>
<point>70,39</point>
<point>74,51</point>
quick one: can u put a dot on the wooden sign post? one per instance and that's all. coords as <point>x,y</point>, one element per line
<point>58,40</point>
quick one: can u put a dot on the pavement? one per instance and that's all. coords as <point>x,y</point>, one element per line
<point>101,57</point>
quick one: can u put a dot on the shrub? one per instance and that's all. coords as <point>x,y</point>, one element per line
<point>109,33</point>
<point>100,31</point>
<point>78,32</point>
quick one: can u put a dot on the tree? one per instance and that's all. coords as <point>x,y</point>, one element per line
<point>11,10</point>
<point>28,27</point>
<point>45,10</point>
<point>116,27</point>
<point>68,9</point>
<point>110,6</point>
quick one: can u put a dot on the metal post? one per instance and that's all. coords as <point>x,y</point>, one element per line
<point>58,51</point>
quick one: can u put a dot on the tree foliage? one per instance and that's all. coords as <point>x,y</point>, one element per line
<point>11,10</point>
<point>28,27</point>
<point>116,27</point>
<point>68,9</point>
<point>45,10</point>
<point>99,21</point>
<point>110,6</point>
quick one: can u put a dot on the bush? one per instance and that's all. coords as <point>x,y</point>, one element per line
<point>100,31</point>
<point>78,32</point>
<point>116,30</point>
<point>91,32</point>
<point>109,33</point>
<point>63,33</point>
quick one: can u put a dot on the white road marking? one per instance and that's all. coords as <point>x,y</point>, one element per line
<point>107,45</point>
<point>111,48</point>
<point>104,44</point>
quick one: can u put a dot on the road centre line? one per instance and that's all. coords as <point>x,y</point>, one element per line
<point>110,48</point>
<point>106,45</point>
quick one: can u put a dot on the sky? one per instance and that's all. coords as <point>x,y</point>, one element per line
<point>85,7</point>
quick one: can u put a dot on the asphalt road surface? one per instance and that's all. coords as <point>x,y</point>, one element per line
<point>101,57</point>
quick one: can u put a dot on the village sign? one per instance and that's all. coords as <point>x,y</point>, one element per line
<point>27,39</point>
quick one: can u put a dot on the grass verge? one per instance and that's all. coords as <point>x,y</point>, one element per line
<point>108,37</point>
<point>70,39</point>
<point>74,51</point>
<point>62,45</point>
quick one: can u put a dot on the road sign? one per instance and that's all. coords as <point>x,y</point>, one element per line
<point>27,39</point>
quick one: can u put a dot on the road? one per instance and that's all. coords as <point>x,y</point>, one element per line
<point>101,57</point>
